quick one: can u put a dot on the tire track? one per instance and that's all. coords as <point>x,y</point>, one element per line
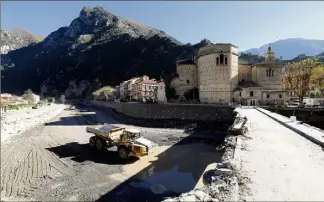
<point>27,165</point>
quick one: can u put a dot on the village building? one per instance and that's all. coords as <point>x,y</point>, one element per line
<point>161,96</point>
<point>222,78</point>
<point>129,87</point>
<point>186,78</point>
<point>144,89</point>
<point>213,71</point>
<point>217,73</point>
<point>260,83</point>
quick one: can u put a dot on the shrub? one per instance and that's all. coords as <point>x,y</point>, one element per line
<point>62,98</point>
<point>28,95</point>
<point>103,93</point>
<point>51,99</point>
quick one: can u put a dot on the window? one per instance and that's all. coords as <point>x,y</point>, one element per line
<point>272,73</point>
<point>251,93</point>
<point>187,81</point>
<point>280,96</point>
<point>267,73</point>
<point>225,60</point>
<point>221,60</point>
<point>268,95</point>
<point>240,94</point>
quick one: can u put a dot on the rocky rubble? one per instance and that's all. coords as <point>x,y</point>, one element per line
<point>15,123</point>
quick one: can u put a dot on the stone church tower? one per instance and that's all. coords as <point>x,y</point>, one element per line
<point>270,56</point>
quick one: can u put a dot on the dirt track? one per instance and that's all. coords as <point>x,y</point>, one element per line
<point>54,162</point>
<point>280,164</point>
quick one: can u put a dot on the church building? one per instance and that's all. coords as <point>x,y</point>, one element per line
<point>221,77</point>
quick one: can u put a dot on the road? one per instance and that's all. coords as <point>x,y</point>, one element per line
<point>54,162</point>
<point>280,164</point>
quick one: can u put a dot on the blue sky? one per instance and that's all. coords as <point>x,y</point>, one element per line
<point>245,24</point>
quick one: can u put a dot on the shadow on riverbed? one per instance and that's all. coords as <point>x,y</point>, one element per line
<point>85,119</point>
<point>159,123</point>
<point>171,172</point>
<point>83,152</point>
<point>168,171</point>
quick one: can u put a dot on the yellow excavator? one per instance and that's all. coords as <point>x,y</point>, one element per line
<point>128,141</point>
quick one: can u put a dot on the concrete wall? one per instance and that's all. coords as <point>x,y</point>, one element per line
<point>311,116</point>
<point>191,112</point>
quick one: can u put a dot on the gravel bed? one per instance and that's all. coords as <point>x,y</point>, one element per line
<point>15,123</point>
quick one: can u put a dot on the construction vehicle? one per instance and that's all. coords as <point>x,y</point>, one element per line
<point>128,141</point>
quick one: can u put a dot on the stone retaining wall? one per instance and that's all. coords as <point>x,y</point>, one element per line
<point>311,116</point>
<point>190,112</point>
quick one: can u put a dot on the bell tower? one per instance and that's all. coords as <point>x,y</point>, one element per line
<point>270,56</point>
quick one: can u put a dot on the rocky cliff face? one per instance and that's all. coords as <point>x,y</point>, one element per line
<point>97,45</point>
<point>97,25</point>
<point>16,38</point>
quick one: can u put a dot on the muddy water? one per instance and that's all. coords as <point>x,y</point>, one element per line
<point>168,171</point>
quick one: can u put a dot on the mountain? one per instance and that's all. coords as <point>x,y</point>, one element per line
<point>290,48</point>
<point>321,54</point>
<point>17,38</point>
<point>250,58</point>
<point>98,48</point>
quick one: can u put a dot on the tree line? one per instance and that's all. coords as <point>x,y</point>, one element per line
<point>302,76</point>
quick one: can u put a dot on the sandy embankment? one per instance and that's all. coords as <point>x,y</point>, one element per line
<point>16,122</point>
